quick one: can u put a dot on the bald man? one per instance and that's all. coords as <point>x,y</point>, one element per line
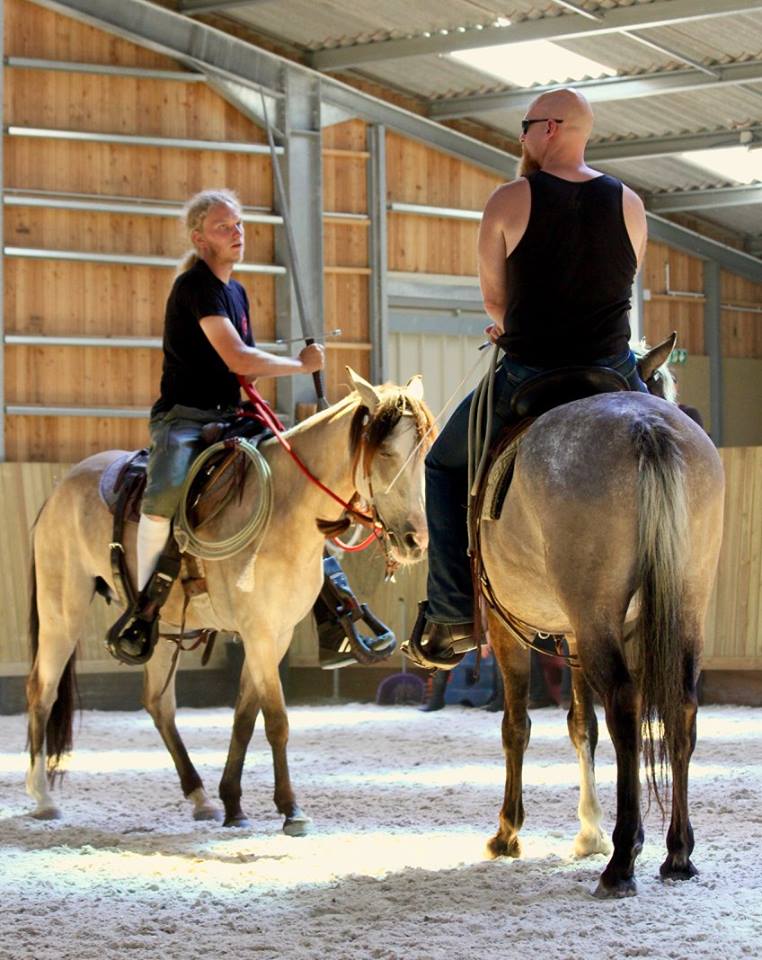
<point>559,248</point>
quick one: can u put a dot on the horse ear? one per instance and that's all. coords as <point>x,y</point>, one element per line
<point>368,393</point>
<point>414,387</point>
<point>656,356</point>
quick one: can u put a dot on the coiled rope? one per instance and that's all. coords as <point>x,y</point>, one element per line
<point>254,528</point>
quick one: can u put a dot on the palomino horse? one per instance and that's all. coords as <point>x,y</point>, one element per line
<point>360,444</point>
<point>610,534</point>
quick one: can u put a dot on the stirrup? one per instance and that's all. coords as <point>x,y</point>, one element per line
<point>337,613</point>
<point>419,653</point>
<point>132,638</point>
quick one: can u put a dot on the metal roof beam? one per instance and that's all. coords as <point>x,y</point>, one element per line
<point>639,148</point>
<point>567,27</point>
<point>709,199</point>
<point>743,264</point>
<point>193,8</point>
<point>598,91</point>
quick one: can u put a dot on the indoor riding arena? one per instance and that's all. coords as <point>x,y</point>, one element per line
<point>363,142</point>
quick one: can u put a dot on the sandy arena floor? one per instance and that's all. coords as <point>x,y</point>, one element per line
<point>402,803</point>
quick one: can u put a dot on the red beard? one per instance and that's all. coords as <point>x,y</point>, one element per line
<point>527,165</point>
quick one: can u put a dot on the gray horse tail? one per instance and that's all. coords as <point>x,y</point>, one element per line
<point>664,654</point>
<point>59,729</point>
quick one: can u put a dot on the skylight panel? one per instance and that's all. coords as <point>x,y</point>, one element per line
<point>536,61</point>
<point>737,164</point>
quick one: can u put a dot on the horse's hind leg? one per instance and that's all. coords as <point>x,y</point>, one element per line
<point>583,732</point>
<point>678,865</point>
<point>609,676</point>
<point>514,666</point>
<point>49,720</point>
<point>59,605</point>
<point>161,704</point>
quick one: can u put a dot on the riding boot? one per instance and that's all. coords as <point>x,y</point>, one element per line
<point>436,699</point>
<point>438,646</point>
<point>132,638</point>
<point>337,611</point>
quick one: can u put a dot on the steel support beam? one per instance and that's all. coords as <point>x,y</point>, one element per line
<point>710,199</point>
<point>713,346</point>
<point>129,259</point>
<point>683,239</point>
<point>136,140</point>
<point>637,327</point>
<point>192,8</point>
<point>641,148</point>
<point>377,293</point>
<point>599,91</point>
<point>299,120</point>
<point>637,16</point>
<point>68,66</point>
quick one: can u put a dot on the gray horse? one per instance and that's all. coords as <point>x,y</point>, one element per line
<point>610,534</point>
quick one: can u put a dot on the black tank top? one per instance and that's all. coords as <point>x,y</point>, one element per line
<point>570,277</point>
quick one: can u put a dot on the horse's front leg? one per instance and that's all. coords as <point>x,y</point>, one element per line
<point>621,699</point>
<point>678,865</point>
<point>582,724</point>
<point>159,700</point>
<point>261,689</point>
<point>245,717</point>
<point>514,666</point>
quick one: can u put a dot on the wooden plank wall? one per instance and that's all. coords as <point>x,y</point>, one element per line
<point>51,296</point>
<point>734,622</point>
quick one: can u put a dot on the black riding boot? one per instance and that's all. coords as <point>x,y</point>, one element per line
<point>336,612</point>
<point>436,699</point>
<point>134,635</point>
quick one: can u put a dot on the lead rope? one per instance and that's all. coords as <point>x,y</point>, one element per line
<point>479,431</point>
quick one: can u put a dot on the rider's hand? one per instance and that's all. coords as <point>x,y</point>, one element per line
<point>493,331</point>
<point>313,357</point>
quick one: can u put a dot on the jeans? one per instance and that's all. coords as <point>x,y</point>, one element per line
<point>449,588</point>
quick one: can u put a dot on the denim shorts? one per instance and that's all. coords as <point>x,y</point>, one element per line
<point>175,443</point>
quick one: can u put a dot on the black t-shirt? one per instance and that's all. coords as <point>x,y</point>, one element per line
<point>194,374</point>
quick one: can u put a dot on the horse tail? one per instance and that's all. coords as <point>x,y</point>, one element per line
<point>662,539</point>
<point>60,725</point>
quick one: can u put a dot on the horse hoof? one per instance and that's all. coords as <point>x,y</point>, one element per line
<point>588,844</point>
<point>298,825</point>
<point>624,888</point>
<point>46,813</point>
<point>208,813</point>
<point>497,847</point>
<point>239,820</point>
<point>671,871</point>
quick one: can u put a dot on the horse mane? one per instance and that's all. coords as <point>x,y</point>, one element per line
<point>662,374</point>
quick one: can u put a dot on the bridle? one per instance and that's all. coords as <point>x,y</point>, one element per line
<point>357,510</point>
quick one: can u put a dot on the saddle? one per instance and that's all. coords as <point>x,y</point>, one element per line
<point>121,488</point>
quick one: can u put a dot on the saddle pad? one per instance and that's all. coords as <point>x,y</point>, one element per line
<point>498,480</point>
<point>131,463</point>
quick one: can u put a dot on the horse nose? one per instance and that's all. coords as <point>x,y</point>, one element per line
<point>417,540</point>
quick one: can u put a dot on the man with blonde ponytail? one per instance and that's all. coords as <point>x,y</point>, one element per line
<point>208,344</point>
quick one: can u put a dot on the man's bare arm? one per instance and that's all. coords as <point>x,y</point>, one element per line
<point>504,221</point>
<point>252,362</point>
<point>635,222</point>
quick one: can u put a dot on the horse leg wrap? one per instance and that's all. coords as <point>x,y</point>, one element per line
<point>337,613</point>
<point>134,635</point>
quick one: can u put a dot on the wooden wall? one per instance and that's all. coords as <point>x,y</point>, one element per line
<point>50,296</point>
<point>734,623</point>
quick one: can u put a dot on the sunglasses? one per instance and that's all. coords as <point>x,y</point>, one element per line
<point>526,124</point>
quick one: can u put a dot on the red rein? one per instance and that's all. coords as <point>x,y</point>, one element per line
<point>265,415</point>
